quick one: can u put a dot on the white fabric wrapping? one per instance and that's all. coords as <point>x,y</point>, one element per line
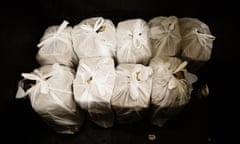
<point>133,45</point>
<point>94,37</point>
<point>56,46</point>
<point>165,36</point>
<point>93,88</point>
<point>132,90</point>
<point>197,40</point>
<point>169,94</point>
<point>52,98</point>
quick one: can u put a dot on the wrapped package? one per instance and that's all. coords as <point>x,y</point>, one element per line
<point>132,90</point>
<point>197,42</point>
<point>49,89</point>
<point>93,88</point>
<point>94,37</point>
<point>56,46</point>
<point>133,45</point>
<point>165,36</point>
<point>171,88</point>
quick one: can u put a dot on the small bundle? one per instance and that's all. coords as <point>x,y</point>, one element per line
<point>56,46</point>
<point>133,45</point>
<point>197,42</point>
<point>132,90</point>
<point>94,37</point>
<point>49,89</point>
<point>165,36</point>
<point>93,88</point>
<point>172,86</point>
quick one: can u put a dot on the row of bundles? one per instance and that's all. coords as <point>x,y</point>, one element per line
<point>132,41</point>
<point>115,74</point>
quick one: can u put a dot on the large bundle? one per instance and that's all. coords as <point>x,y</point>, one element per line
<point>172,86</point>
<point>93,88</point>
<point>56,46</point>
<point>94,37</point>
<point>131,96</point>
<point>165,36</point>
<point>51,97</point>
<point>133,45</point>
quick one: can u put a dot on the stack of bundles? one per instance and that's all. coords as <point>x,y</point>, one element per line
<point>49,89</point>
<point>94,42</point>
<point>154,61</point>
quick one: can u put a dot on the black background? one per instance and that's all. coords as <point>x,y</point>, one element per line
<point>203,121</point>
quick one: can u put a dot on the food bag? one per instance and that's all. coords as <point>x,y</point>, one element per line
<point>93,88</point>
<point>132,90</point>
<point>171,88</point>
<point>165,36</point>
<point>133,45</point>
<point>94,37</point>
<point>56,46</point>
<point>197,42</point>
<point>49,89</point>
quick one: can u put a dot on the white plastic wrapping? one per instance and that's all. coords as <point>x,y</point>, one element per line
<point>132,90</point>
<point>56,46</point>
<point>124,93</point>
<point>52,98</point>
<point>172,86</point>
<point>197,40</point>
<point>94,37</point>
<point>165,36</point>
<point>133,45</point>
<point>93,88</point>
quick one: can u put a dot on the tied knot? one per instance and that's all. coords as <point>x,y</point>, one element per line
<point>59,34</point>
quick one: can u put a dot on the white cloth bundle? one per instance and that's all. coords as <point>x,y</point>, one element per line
<point>56,46</point>
<point>197,41</point>
<point>94,37</point>
<point>165,36</point>
<point>132,90</point>
<point>52,98</point>
<point>172,86</point>
<point>133,45</point>
<point>93,88</point>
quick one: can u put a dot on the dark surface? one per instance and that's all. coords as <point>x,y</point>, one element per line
<point>201,122</point>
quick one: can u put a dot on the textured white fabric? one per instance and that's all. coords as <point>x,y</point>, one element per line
<point>94,37</point>
<point>197,41</point>
<point>133,45</point>
<point>52,98</point>
<point>93,88</point>
<point>169,93</point>
<point>165,36</point>
<point>132,91</point>
<point>56,46</point>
